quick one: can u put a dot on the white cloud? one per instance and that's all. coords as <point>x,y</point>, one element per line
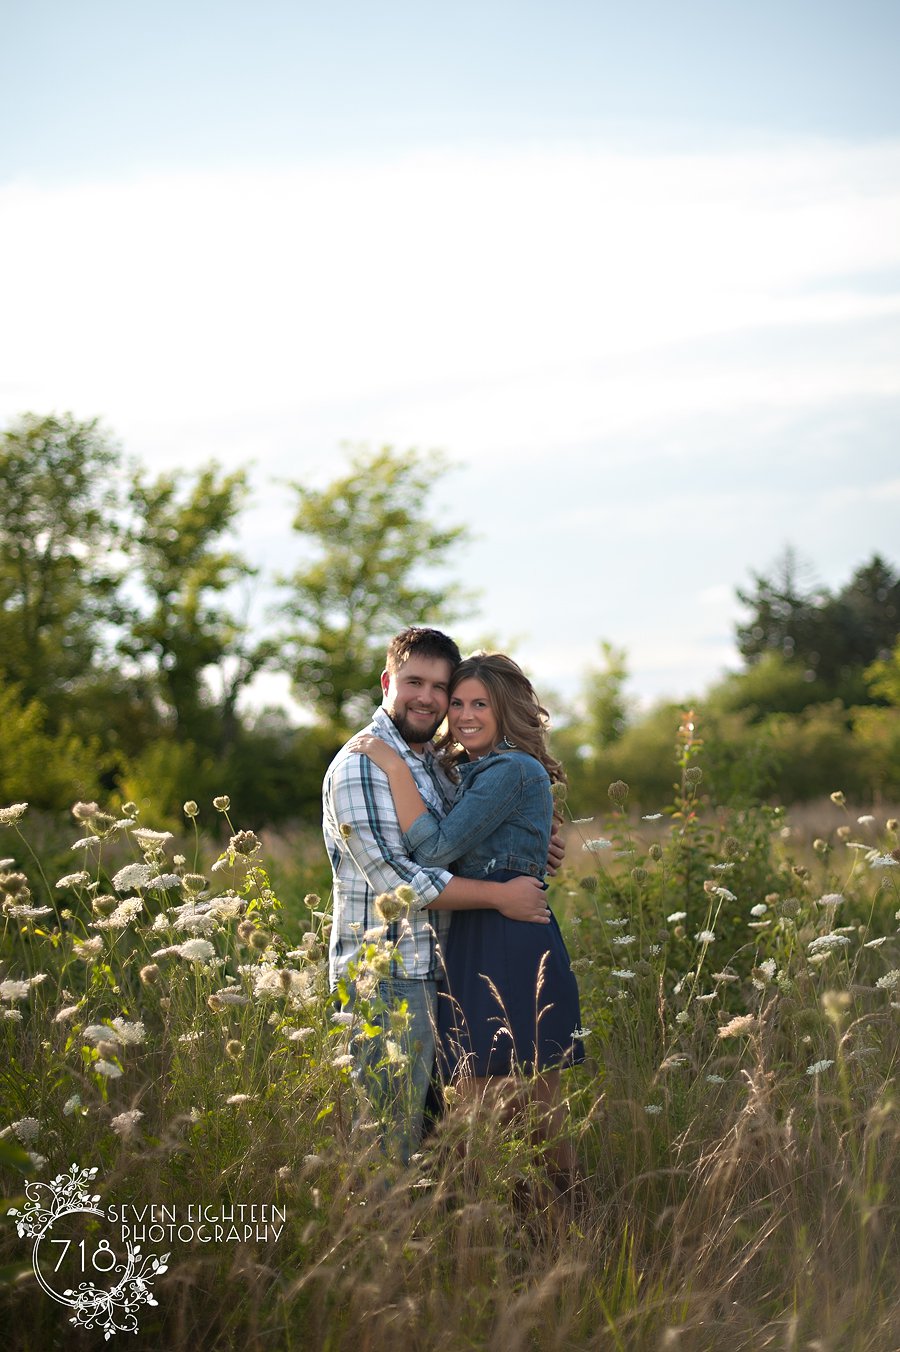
<point>544,316</point>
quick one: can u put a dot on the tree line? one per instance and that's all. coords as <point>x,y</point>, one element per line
<point>131,627</point>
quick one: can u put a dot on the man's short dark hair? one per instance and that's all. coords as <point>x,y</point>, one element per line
<point>419,642</point>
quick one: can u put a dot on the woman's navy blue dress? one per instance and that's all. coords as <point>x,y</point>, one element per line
<point>510,999</point>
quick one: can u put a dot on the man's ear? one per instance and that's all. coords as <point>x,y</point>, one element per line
<point>385,681</point>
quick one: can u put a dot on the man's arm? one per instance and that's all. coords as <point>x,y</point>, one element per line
<point>360,801</point>
<point>518,899</point>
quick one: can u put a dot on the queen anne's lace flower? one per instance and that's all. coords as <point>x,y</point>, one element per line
<point>818,1067</point>
<point>826,943</point>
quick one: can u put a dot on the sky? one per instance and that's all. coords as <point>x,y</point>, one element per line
<point>634,270</point>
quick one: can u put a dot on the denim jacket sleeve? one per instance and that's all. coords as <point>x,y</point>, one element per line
<point>487,801</point>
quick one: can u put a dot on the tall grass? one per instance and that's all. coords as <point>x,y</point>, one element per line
<point>737,1120</point>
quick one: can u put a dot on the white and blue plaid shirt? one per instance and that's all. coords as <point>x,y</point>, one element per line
<point>374,859</point>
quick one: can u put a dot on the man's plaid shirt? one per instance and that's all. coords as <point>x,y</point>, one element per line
<point>373,858</point>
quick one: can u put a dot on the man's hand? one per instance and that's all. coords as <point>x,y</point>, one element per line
<point>523,899</point>
<point>556,851</point>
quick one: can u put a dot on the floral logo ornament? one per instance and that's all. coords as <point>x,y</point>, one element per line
<point>112,1308</point>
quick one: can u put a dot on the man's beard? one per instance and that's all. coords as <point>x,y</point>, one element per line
<point>409,731</point>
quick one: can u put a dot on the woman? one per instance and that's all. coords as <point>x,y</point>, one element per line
<point>512,1000</point>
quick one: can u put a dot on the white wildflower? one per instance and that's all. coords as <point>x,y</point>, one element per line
<point>676,917</point>
<point>715,1079</point>
<point>24,912</point>
<point>126,1122</point>
<point>818,1067</point>
<point>652,1109</point>
<point>195,950</point>
<point>132,875</point>
<point>595,846</point>
<point>723,893</point>
<point>867,820</point>
<point>196,922</point>
<point>652,817</point>
<point>826,943</point>
<point>342,1062</point>
<point>100,1032</point>
<point>237,1099</point>
<point>146,837</point>
<point>88,949</point>
<point>830,899</point>
<point>705,936</point>
<point>11,989</point>
<point>27,1129</point>
<point>721,868</point>
<point>883,861</point>
<point>37,1161</point>
<point>742,1023</point>
<point>163,882</point>
<point>14,1015</point>
<point>107,1069</point>
<point>876,943</point>
<point>67,1012</point>
<point>624,940</point>
<point>889,981</point>
<point>11,814</point>
<point>129,1033</point>
<point>618,923</point>
<point>682,1017</point>
<point>759,909</point>
<point>233,995</point>
<point>300,1034</point>
<point>622,974</point>
<point>74,880</point>
<point>122,916</point>
<point>581,1032</point>
<point>71,1105</point>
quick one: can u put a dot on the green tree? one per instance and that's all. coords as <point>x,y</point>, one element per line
<point>782,612</point>
<point>606,707</point>
<point>184,570</point>
<point>60,526</point>
<point>373,571</point>
<point>883,677</point>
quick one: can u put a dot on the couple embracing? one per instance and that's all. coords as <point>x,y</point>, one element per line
<point>468,825</point>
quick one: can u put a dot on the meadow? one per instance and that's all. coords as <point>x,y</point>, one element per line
<point>167,1021</point>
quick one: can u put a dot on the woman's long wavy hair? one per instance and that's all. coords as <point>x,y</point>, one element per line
<point>521,718</point>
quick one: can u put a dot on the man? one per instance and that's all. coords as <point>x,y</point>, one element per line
<point>368,858</point>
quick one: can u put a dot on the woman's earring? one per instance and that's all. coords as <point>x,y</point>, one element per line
<point>510,744</point>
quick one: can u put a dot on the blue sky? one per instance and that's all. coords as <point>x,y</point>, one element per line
<point>635,269</point>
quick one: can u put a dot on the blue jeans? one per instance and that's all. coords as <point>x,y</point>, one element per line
<point>399,1089</point>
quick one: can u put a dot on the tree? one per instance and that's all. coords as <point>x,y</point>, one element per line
<point>831,638</point>
<point>184,570</point>
<point>60,525</point>
<point>606,706</point>
<point>375,551</point>
<point>783,613</point>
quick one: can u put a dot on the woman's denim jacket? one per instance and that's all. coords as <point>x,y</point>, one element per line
<point>501,819</point>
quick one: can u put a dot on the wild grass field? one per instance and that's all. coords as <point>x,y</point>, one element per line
<point>167,1021</point>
